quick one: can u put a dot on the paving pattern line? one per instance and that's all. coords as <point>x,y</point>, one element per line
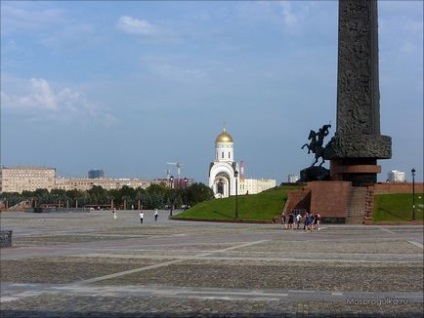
<point>230,248</point>
<point>21,295</point>
<point>325,259</point>
<point>416,244</point>
<point>220,294</point>
<point>386,230</point>
<point>175,261</point>
<point>177,292</point>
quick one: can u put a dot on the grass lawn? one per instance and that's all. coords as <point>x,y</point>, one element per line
<point>397,207</point>
<point>256,207</point>
<point>264,206</point>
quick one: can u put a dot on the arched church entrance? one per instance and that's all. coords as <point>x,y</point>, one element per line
<point>222,185</point>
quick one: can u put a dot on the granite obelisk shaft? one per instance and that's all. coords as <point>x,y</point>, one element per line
<point>357,140</point>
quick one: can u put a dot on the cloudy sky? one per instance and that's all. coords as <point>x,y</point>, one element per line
<point>129,86</point>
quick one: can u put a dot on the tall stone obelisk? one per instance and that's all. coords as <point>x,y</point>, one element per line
<point>357,143</point>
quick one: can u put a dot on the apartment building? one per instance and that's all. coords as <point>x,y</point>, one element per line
<point>19,179</point>
<point>254,186</point>
<point>84,184</point>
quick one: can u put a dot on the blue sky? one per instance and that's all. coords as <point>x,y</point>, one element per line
<point>129,86</point>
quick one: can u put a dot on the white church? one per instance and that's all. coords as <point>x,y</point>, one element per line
<point>226,176</point>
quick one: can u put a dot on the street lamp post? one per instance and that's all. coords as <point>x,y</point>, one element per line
<point>413,194</point>
<point>172,195</point>
<point>185,196</point>
<point>236,175</point>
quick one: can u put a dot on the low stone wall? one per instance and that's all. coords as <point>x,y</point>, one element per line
<point>297,200</point>
<point>385,188</point>
<point>329,198</point>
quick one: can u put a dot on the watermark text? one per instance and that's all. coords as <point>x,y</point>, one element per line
<point>388,301</point>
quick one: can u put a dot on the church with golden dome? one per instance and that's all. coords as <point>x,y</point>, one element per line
<point>226,176</point>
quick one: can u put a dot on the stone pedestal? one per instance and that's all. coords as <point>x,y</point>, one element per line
<point>358,171</point>
<point>330,198</point>
<point>314,174</point>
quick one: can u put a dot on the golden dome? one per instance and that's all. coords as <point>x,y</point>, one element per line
<point>224,137</point>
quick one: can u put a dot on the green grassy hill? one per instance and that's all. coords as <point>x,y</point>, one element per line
<point>263,207</point>
<point>254,207</point>
<point>397,207</point>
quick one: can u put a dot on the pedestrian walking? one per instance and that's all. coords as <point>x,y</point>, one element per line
<point>305,221</point>
<point>141,216</point>
<point>317,221</point>
<point>311,222</point>
<point>298,220</point>
<point>156,215</point>
<point>291,221</point>
<point>283,220</point>
<point>115,216</point>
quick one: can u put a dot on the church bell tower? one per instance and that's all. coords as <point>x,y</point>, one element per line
<point>223,171</point>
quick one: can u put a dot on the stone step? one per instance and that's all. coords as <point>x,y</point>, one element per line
<point>357,205</point>
<point>355,220</point>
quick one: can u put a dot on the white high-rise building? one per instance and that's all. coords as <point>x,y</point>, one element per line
<point>396,176</point>
<point>292,178</point>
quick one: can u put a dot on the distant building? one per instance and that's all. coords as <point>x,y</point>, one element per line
<point>96,174</point>
<point>293,178</point>
<point>84,184</point>
<point>226,176</point>
<point>176,183</point>
<point>396,176</point>
<point>253,186</point>
<point>19,179</point>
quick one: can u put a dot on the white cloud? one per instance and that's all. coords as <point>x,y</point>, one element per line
<point>147,31</point>
<point>40,97</point>
<point>137,27</point>
<point>278,13</point>
<point>35,98</point>
<point>289,18</point>
<point>15,18</point>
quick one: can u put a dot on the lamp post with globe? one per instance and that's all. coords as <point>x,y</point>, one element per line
<point>413,193</point>
<point>235,176</point>
<point>171,207</point>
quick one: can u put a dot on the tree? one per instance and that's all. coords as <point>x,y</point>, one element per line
<point>198,192</point>
<point>99,195</point>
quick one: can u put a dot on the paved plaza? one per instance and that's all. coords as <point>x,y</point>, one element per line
<point>88,264</point>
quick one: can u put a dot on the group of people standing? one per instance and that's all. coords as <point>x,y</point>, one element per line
<point>141,214</point>
<point>298,221</point>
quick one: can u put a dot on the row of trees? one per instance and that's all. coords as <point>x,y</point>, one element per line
<point>155,196</point>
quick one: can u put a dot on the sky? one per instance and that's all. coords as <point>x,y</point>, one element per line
<point>128,86</point>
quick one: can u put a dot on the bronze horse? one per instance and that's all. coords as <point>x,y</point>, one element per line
<point>316,142</point>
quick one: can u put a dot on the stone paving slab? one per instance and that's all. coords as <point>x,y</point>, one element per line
<point>309,276</point>
<point>108,306</point>
<point>90,265</point>
<point>64,270</point>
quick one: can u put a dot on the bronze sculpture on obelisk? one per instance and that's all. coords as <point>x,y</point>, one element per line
<point>357,143</point>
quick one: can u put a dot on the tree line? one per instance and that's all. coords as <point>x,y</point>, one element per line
<point>156,196</point>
